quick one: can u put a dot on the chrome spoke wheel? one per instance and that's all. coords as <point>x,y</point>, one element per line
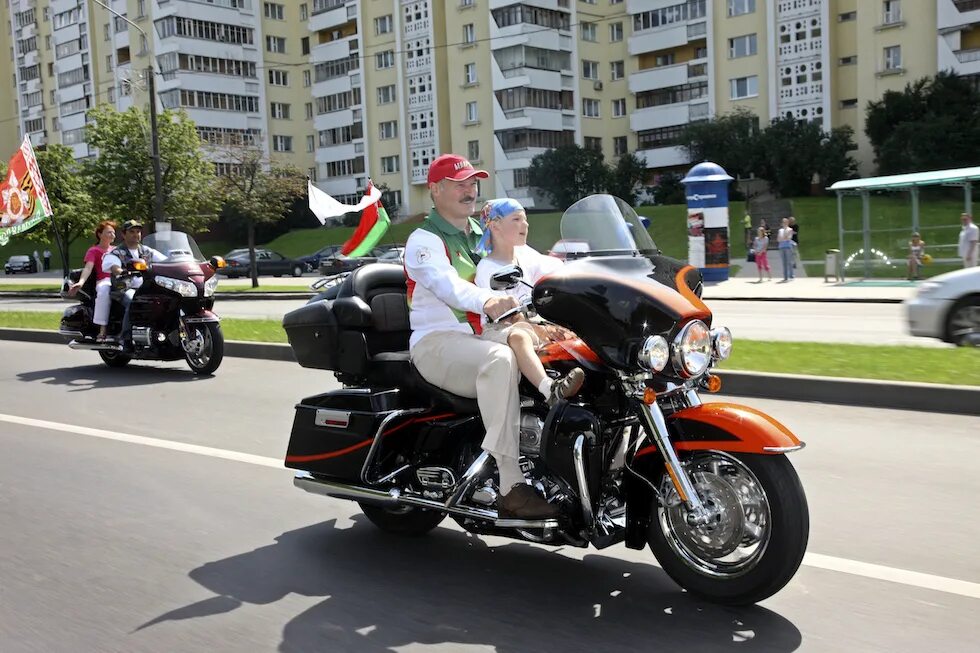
<point>736,536</point>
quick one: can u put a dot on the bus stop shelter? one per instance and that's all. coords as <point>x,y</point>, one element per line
<point>910,182</point>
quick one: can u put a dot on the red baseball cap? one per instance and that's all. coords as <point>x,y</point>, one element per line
<point>454,167</point>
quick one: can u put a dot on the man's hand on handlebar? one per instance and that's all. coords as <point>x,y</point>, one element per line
<point>497,306</point>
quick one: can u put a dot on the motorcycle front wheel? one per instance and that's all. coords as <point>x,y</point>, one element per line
<point>205,347</point>
<point>756,537</point>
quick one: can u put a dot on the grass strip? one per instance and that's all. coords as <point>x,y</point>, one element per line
<point>957,366</point>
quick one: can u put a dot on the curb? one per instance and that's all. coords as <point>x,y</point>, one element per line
<point>814,300</point>
<point>928,397</point>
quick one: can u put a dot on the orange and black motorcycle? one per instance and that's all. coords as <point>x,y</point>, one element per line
<point>635,457</point>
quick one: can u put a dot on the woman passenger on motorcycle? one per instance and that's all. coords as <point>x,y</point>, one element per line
<point>504,242</point>
<point>105,233</point>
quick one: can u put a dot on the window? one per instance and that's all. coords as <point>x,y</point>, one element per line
<point>619,108</point>
<point>742,46</point>
<point>617,70</point>
<point>891,12</point>
<point>590,69</point>
<point>307,78</point>
<point>521,178</point>
<point>386,94</point>
<point>278,77</point>
<point>472,115</point>
<point>846,16</point>
<point>308,110</point>
<point>469,74</point>
<point>849,103</point>
<point>73,136</point>
<point>893,57</point>
<point>593,143</point>
<point>588,31</point>
<point>382,24</point>
<point>108,63</point>
<point>279,110</point>
<point>743,87</point>
<point>619,146</point>
<point>469,33</point>
<point>35,125</point>
<point>848,61</point>
<point>310,143</point>
<point>274,11</point>
<point>384,59</point>
<point>389,164</point>
<point>388,129</point>
<point>615,32</point>
<point>473,150</point>
<point>739,7</point>
<point>275,44</point>
<point>141,9</point>
<point>304,11</point>
<point>304,45</point>
<point>590,108</point>
<point>282,143</point>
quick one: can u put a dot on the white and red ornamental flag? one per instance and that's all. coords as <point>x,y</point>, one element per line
<point>23,200</point>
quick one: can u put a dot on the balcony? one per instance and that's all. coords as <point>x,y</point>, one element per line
<point>658,38</point>
<point>657,117</point>
<point>419,174</point>
<point>420,100</point>
<point>331,14</point>
<point>968,56</point>
<point>659,77</point>
<point>664,157</point>
<point>422,137</point>
<point>417,28</point>
<point>419,64</point>
<point>699,111</point>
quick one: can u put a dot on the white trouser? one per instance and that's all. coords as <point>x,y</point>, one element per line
<point>468,366</point>
<point>102,302</point>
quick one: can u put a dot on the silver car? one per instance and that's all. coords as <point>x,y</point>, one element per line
<point>947,307</point>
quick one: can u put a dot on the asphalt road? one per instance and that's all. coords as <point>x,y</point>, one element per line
<point>862,323</point>
<point>145,509</point>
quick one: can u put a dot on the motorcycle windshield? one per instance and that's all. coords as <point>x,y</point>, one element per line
<point>604,225</point>
<point>177,246</point>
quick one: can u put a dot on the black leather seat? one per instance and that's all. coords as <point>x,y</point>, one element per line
<point>397,369</point>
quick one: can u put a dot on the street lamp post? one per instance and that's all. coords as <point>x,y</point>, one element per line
<point>154,137</point>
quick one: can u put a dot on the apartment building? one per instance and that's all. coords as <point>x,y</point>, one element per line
<point>352,90</point>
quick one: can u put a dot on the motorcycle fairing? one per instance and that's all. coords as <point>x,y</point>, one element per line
<point>723,426</point>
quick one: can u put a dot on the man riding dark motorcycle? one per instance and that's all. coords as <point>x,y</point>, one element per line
<point>445,307</point>
<point>120,260</point>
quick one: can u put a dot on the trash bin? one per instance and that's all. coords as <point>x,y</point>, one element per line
<point>831,267</point>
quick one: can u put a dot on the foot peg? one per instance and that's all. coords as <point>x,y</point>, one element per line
<point>526,523</point>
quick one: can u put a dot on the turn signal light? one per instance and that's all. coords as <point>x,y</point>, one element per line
<point>713,383</point>
<point>217,262</point>
<point>649,396</point>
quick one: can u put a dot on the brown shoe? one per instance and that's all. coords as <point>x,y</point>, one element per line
<point>566,386</point>
<point>522,502</point>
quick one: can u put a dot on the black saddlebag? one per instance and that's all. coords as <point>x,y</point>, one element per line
<point>312,332</point>
<point>332,432</point>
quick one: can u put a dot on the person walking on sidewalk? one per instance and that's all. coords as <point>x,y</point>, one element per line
<point>969,237</point>
<point>47,259</point>
<point>760,247</point>
<point>784,238</point>
<point>797,259</point>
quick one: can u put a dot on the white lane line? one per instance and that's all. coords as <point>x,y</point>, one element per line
<point>816,560</point>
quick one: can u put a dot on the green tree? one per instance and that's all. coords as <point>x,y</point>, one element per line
<point>732,141</point>
<point>259,192</point>
<point>626,177</point>
<point>74,215</point>
<point>568,173</point>
<point>121,176</point>
<point>933,124</point>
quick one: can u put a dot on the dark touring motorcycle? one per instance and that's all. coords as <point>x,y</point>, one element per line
<point>636,457</point>
<point>170,313</point>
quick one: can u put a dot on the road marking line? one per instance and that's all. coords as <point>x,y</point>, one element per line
<point>816,560</point>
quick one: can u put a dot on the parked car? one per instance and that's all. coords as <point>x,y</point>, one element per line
<point>393,255</point>
<point>267,262</point>
<point>20,263</point>
<point>947,307</point>
<point>312,261</point>
<point>338,264</point>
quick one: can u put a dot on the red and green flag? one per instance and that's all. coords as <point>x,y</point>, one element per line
<point>372,227</point>
<point>23,200</point>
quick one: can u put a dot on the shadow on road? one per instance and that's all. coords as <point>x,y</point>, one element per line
<point>93,377</point>
<point>380,592</point>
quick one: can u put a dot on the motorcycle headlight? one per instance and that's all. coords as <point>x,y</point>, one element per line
<point>692,349</point>
<point>721,338</point>
<point>654,354</point>
<point>179,286</point>
<point>210,286</point>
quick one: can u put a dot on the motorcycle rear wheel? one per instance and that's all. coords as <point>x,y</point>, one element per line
<point>115,359</point>
<point>402,520</point>
<point>756,539</point>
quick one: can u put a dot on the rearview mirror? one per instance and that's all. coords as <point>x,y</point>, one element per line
<point>506,277</point>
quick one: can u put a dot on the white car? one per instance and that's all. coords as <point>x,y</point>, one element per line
<point>947,307</point>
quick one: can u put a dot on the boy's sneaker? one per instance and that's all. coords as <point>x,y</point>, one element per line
<point>566,386</point>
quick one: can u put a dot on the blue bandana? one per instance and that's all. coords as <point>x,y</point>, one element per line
<point>494,210</point>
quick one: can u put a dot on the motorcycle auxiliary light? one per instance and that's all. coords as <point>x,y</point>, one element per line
<point>654,354</point>
<point>721,339</point>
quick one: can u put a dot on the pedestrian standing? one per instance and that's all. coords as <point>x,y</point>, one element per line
<point>797,259</point>
<point>37,262</point>
<point>747,224</point>
<point>969,236</point>
<point>760,247</point>
<point>784,238</point>
<point>47,259</point>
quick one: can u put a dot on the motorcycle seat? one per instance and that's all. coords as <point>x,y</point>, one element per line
<point>397,368</point>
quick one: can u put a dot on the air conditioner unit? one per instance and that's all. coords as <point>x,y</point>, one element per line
<point>597,85</point>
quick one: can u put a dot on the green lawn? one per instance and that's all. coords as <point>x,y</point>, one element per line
<point>920,364</point>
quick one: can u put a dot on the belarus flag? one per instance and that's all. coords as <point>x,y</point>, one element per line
<point>374,219</point>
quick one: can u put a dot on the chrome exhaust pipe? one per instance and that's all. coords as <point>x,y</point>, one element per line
<point>94,346</point>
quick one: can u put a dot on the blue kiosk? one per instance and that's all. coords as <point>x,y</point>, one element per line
<point>706,188</point>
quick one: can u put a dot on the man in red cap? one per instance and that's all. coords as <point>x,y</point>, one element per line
<point>445,307</point>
